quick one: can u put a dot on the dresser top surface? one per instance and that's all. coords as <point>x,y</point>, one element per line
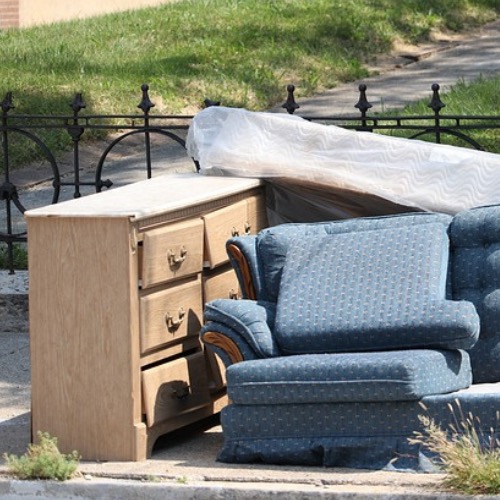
<point>161,194</point>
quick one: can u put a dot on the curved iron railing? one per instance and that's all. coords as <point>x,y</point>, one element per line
<point>173,128</point>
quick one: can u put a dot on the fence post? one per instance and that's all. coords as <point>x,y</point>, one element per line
<point>436,105</point>
<point>76,131</point>
<point>146,104</point>
<point>7,190</point>
<point>363,105</point>
<point>290,105</point>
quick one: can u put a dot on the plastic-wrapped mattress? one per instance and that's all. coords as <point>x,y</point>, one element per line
<point>327,171</point>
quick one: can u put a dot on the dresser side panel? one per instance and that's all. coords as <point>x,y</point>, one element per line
<point>84,335</point>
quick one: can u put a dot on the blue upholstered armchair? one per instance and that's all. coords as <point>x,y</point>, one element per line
<point>347,328</point>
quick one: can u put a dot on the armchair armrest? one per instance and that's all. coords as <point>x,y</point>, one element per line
<point>243,257</point>
<point>226,343</point>
<point>241,328</point>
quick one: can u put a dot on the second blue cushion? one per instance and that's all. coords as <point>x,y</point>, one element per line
<point>371,290</point>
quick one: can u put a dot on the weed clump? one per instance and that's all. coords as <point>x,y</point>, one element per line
<point>469,457</point>
<point>43,461</point>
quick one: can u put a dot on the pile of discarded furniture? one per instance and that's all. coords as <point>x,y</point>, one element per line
<point>350,331</point>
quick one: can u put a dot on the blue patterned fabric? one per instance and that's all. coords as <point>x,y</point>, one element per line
<point>272,243</point>
<point>360,435</point>
<point>359,409</point>
<point>475,236</point>
<point>348,377</point>
<point>371,290</point>
<point>251,320</point>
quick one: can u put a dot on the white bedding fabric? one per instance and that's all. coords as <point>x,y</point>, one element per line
<point>413,173</point>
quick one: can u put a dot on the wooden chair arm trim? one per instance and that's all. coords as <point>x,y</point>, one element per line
<point>226,344</point>
<point>239,257</point>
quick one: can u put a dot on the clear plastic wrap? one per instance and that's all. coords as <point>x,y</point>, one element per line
<point>360,171</point>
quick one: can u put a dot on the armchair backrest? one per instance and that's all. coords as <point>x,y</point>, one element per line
<point>272,244</point>
<point>475,276</point>
<point>474,270</point>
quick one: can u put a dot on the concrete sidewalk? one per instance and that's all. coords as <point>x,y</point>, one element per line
<point>184,464</point>
<point>408,74</point>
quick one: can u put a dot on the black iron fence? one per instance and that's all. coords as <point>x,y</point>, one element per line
<point>16,191</point>
<point>434,126</point>
<point>145,125</point>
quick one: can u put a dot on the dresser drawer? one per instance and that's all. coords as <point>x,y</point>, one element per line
<point>171,252</point>
<point>171,314</point>
<point>174,388</point>
<point>221,284</point>
<point>245,217</point>
<point>216,371</point>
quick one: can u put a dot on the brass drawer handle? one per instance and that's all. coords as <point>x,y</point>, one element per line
<point>175,260</point>
<point>173,324</point>
<point>233,295</point>
<point>236,232</point>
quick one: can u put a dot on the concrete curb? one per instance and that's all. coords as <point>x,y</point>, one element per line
<point>104,488</point>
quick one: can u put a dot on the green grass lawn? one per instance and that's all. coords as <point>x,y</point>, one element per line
<point>242,52</point>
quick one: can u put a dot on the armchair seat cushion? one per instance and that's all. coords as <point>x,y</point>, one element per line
<point>348,377</point>
<point>371,290</point>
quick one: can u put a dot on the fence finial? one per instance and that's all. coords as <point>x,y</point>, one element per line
<point>78,103</point>
<point>7,103</point>
<point>208,103</point>
<point>363,105</point>
<point>146,103</point>
<point>436,104</point>
<point>290,105</point>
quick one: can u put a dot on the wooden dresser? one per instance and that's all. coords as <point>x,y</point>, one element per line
<point>118,281</point>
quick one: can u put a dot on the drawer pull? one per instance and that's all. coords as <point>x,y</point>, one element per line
<point>236,232</point>
<point>233,295</point>
<point>175,260</point>
<point>173,324</point>
<point>182,391</point>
